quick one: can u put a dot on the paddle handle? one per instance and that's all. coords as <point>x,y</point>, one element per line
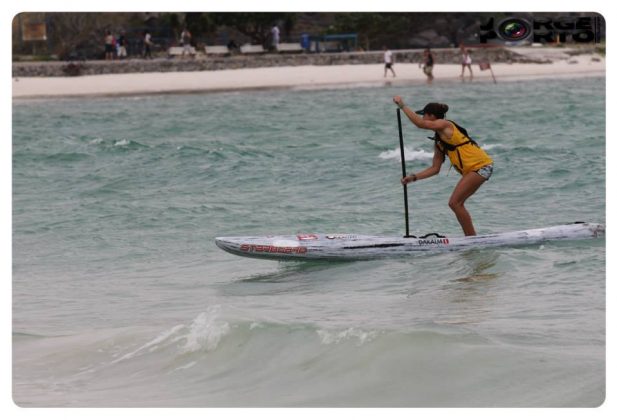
<point>400,136</point>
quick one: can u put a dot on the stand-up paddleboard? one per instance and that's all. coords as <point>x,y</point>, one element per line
<point>361,247</point>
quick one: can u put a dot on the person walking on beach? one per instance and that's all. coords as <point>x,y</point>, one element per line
<point>427,65</point>
<point>185,39</point>
<point>451,140</point>
<point>147,45</point>
<point>109,46</point>
<point>466,62</point>
<point>388,59</point>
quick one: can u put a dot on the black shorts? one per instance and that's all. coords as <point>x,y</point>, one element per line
<point>388,65</point>
<point>109,48</point>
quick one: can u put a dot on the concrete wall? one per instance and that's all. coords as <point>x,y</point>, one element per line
<point>209,63</point>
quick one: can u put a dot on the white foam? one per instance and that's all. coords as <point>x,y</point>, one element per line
<point>335,337</point>
<point>491,146</point>
<point>187,366</point>
<point>410,154</point>
<point>123,142</point>
<point>161,337</point>
<point>205,332</point>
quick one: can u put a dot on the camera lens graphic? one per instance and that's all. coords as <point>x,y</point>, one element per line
<point>514,29</point>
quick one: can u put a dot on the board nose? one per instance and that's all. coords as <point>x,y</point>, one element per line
<point>222,243</point>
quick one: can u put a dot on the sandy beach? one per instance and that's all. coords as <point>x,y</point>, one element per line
<point>299,77</point>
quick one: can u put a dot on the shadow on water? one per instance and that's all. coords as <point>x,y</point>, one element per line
<point>291,271</point>
<point>458,267</point>
<point>469,266</point>
<point>289,277</point>
<point>469,295</point>
<point>473,264</point>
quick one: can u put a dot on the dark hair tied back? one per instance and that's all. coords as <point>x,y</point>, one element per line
<point>437,109</point>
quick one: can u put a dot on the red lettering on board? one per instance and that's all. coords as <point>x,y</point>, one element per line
<point>271,249</point>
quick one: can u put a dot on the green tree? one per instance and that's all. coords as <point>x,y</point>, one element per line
<point>377,29</point>
<point>82,31</point>
<point>199,24</point>
<point>254,25</point>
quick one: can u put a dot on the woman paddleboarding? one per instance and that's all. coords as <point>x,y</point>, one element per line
<point>473,163</point>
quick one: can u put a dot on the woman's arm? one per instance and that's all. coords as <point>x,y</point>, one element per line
<point>418,121</point>
<point>438,159</point>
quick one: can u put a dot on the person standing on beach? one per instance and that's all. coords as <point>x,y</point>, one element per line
<point>232,46</point>
<point>466,62</point>
<point>109,46</point>
<point>427,65</point>
<point>276,34</point>
<point>185,39</point>
<point>451,140</point>
<point>147,45</point>
<point>389,62</point>
<point>121,45</point>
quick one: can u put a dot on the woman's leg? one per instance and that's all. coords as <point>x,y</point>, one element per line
<point>465,188</point>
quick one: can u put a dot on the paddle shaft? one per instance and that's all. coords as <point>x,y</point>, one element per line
<point>400,136</point>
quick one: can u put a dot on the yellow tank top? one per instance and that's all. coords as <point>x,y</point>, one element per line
<point>464,154</point>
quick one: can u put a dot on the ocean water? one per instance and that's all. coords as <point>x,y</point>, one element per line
<point>121,298</point>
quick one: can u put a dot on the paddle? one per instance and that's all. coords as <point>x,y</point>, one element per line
<point>400,136</point>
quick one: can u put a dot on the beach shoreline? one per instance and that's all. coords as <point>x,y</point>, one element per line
<point>288,77</point>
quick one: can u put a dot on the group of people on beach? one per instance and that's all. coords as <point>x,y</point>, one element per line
<point>427,63</point>
<point>117,46</point>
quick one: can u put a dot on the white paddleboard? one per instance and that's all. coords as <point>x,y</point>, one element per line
<point>362,247</point>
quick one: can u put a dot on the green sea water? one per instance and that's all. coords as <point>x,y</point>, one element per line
<point>121,298</point>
